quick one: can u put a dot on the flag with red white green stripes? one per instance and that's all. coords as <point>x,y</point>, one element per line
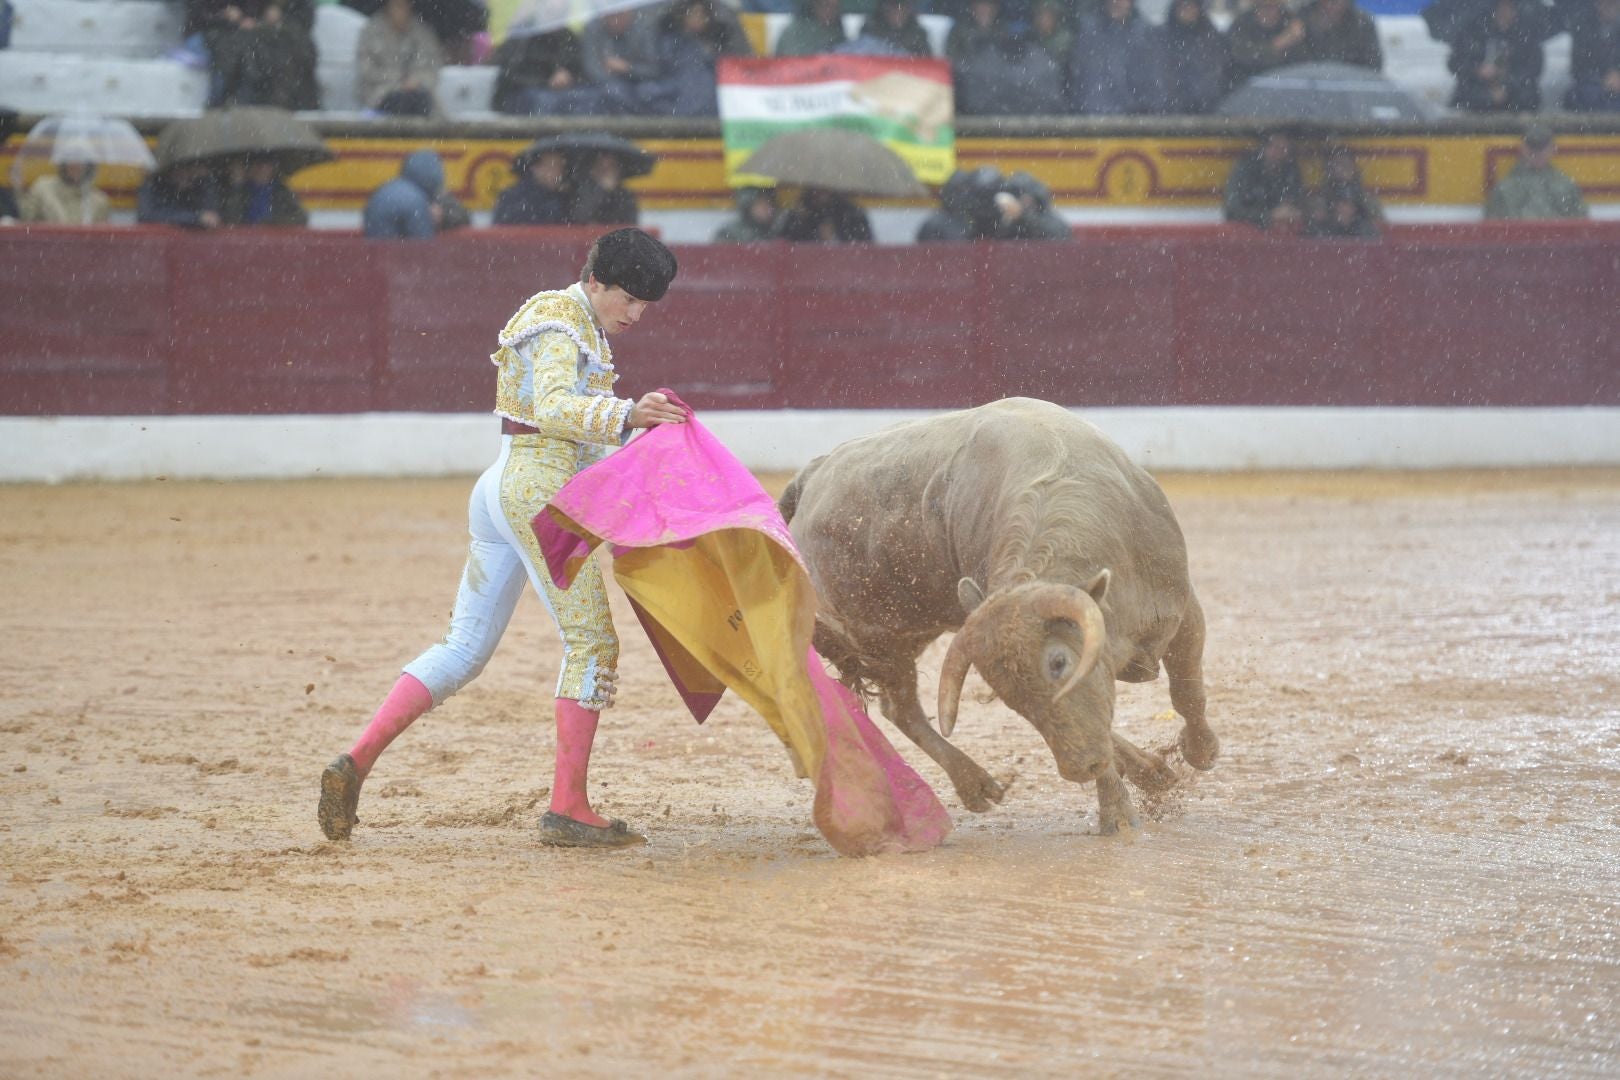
<point>905,103</point>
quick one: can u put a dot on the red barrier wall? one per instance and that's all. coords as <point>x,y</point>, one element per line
<point>140,321</point>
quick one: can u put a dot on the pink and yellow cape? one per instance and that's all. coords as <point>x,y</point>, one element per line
<point>714,577</point>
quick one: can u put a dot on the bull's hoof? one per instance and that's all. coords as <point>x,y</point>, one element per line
<point>1200,748</point>
<point>1153,775</point>
<point>977,790</point>
<point>1114,805</point>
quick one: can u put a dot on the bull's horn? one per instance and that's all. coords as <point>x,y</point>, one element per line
<point>952,674</point>
<point>1063,602</point>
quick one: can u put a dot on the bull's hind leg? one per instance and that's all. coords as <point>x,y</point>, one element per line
<point>1184,664</point>
<point>974,786</point>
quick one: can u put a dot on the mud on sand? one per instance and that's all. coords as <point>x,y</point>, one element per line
<point>1405,862</point>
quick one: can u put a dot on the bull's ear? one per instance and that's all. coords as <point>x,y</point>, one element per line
<point>1098,586</point>
<point>969,595</point>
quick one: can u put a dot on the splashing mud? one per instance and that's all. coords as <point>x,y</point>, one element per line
<point>1405,861</point>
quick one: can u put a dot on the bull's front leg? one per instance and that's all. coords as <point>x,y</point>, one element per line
<point>975,787</point>
<point>1114,803</point>
<point>1147,771</point>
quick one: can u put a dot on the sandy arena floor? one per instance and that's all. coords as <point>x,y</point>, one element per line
<point>1407,861</point>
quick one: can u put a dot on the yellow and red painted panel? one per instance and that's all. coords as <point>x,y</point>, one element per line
<point>1138,172</point>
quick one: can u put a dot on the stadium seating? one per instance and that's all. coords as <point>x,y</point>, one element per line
<point>110,56</point>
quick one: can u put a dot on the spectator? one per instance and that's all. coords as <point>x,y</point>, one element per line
<point>540,196</point>
<point>1115,68</point>
<point>69,196</point>
<point>599,194</point>
<point>978,30</point>
<point>621,60</point>
<point>260,52</point>
<point>1594,62</point>
<point>826,217</point>
<point>457,25</point>
<point>756,218</point>
<point>398,60</point>
<point>405,208</point>
<point>1026,212</point>
<point>1341,32</point>
<point>894,23</point>
<point>1498,57</point>
<point>1009,76</point>
<point>967,208</point>
<point>1536,188</point>
<point>1341,205</point>
<point>817,27</point>
<point>255,195</point>
<point>544,75</point>
<point>691,39</point>
<point>1265,188</point>
<point>1050,30</point>
<point>1195,60</point>
<point>186,195</point>
<point>1264,37</point>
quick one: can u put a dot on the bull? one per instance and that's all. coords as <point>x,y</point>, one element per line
<point>1057,561</point>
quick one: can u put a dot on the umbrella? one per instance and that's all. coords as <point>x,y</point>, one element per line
<point>577,145</point>
<point>247,129</point>
<point>836,160</point>
<point>83,137</point>
<point>1325,92</point>
<point>532,17</point>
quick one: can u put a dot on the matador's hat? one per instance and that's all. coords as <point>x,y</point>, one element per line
<point>634,261</point>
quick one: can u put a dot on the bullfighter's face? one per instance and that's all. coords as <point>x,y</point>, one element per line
<point>615,309</point>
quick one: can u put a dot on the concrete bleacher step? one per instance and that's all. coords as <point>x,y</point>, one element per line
<point>49,82</point>
<point>140,29</point>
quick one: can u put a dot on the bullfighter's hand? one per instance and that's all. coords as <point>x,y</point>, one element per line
<point>607,687</point>
<point>654,409</point>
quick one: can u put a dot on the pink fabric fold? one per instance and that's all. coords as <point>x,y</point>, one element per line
<point>720,588</point>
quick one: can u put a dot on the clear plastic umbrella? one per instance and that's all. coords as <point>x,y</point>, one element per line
<point>110,144</point>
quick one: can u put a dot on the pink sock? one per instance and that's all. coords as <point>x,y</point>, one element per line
<point>576,730</point>
<point>405,702</point>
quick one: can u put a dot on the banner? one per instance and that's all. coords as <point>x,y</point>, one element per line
<point>905,103</point>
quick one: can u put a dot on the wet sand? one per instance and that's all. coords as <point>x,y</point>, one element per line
<point>1406,862</point>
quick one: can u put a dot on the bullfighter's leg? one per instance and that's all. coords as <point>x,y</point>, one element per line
<point>974,786</point>
<point>1184,664</point>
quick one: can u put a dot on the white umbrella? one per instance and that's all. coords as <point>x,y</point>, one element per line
<point>103,141</point>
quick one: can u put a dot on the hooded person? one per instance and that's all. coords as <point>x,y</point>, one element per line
<point>554,392</point>
<point>1026,211</point>
<point>68,196</point>
<point>967,208</point>
<point>756,219</point>
<point>540,196</point>
<point>403,208</point>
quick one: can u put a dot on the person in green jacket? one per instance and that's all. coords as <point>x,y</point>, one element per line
<point>818,27</point>
<point>255,194</point>
<point>1536,188</point>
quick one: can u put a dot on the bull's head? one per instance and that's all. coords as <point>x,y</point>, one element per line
<point>1034,644</point>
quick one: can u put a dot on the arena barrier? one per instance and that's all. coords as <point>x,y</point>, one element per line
<point>1484,321</point>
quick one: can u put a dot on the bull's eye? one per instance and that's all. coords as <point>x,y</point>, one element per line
<point>1058,659</point>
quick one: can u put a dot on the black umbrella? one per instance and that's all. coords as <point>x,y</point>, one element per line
<point>579,145</point>
<point>1324,92</point>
